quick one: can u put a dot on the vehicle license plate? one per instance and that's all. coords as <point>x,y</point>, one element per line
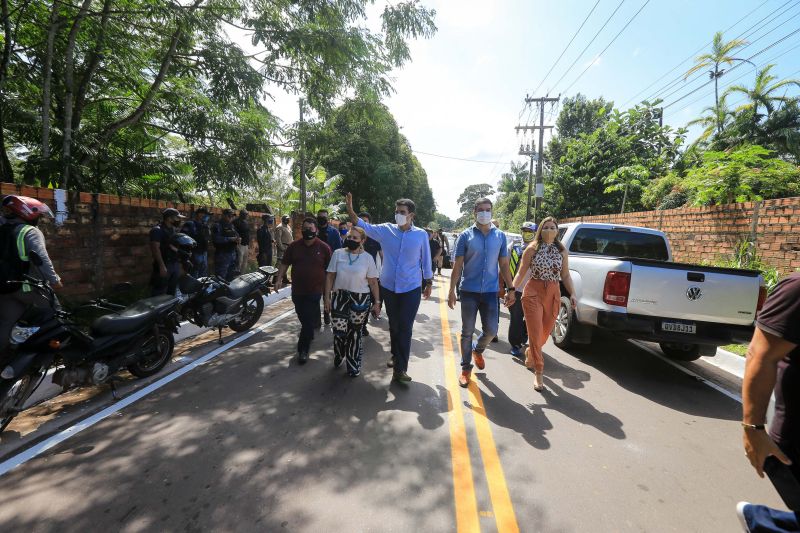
<point>679,327</point>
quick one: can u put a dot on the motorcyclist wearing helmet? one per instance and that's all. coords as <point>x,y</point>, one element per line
<point>24,249</point>
<point>166,267</point>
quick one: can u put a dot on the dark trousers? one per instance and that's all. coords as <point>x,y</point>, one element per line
<point>265,258</point>
<point>225,264</point>
<point>517,334</point>
<point>168,284</point>
<point>307,308</point>
<point>401,308</point>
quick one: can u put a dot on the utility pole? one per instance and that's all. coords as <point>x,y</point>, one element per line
<point>531,152</point>
<point>302,164</point>
<point>540,156</point>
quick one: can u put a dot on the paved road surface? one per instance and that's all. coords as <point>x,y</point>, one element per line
<point>620,441</point>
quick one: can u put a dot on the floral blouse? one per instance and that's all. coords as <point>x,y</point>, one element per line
<point>546,263</point>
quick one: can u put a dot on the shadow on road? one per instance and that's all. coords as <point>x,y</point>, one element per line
<point>250,442</point>
<point>638,371</point>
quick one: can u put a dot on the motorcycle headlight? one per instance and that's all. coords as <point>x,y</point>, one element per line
<point>20,334</point>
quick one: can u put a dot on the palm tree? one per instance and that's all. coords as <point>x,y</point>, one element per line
<point>715,118</point>
<point>720,54</point>
<point>761,94</point>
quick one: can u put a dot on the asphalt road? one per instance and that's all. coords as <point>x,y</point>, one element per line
<point>250,441</point>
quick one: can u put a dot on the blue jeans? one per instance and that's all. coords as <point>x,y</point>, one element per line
<point>200,265</point>
<point>401,308</point>
<point>472,303</point>
<point>307,308</point>
<point>225,264</point>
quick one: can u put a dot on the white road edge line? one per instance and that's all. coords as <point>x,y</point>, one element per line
<point>25,456</point>
<point>653,351</point>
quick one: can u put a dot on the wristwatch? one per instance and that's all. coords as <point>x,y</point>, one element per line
<point>510,289</point>
<point>427,282</point>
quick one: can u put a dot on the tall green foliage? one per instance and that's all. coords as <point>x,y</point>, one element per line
<point>360,141</point>
<point>145,96</point>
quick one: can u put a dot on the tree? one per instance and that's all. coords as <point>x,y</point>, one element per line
<point>763,91</point>
<point>586,180</point>
<point>118,95</point>
<point>745,174</point>
<point>713,117</point>
<point>720,54</point>
<point>578,115</point>
<point>625,179</point>
<point>360,141</point>
<point>443,222</point>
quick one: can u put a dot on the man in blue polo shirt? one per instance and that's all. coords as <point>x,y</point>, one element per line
<point>406,255</point>
<point>482,257</point>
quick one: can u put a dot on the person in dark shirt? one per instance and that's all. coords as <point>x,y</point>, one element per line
<point>327,233</point>
<point>773,363</point>
<point>373,248</point>
<point>330,236</point>
<point>242,226</point>
<point>265,241</point>
<point>309,258</point>
<point>166,267</point>
<point>198,229</point>
<point>225,239</point>
<point>436,248</point>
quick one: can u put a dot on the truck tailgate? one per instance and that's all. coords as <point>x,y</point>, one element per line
<point>693,292</point>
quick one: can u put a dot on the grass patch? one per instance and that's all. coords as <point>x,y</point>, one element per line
<point>738,349</point>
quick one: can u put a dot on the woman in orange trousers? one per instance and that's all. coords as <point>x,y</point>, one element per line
<point>546,260</point>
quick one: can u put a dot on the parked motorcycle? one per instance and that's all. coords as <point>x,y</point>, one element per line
<point>213,302</point>
<point>138,337</point>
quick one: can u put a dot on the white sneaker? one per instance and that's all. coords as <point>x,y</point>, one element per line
<point>740,510</point>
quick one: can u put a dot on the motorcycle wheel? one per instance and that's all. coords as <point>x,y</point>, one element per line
<point>12,397</point>
<point>252,307</point>
<point>158,358</point>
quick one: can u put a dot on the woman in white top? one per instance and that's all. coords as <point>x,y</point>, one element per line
<point>351,288</point>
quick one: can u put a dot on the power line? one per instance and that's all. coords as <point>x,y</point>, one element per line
<point>745,47</point>
<point>692,55</point>
<point>741,76</point>
<point>607,46</point>
<point>566,48</point>
<point>735,67</point>
<point>748,31</point>
<point>590,43</point>
<point>461,158</point>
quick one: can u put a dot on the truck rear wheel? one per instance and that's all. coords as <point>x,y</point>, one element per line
<point>681,352</point>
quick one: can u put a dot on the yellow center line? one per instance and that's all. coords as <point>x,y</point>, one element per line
<point>505,517</point>
<point>467,520</point>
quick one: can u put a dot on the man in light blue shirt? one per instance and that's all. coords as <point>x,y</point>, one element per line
<point>481,258</point>
<point>406,263</point>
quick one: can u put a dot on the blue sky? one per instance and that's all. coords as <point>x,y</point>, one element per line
<point>462,94</point>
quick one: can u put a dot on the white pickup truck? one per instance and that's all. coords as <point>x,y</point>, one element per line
<point>626,283</point>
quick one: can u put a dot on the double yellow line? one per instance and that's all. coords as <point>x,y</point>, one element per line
<point>467,517</point>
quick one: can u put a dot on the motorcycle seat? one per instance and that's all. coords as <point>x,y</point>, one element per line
<point>245,284</point>
<point>134,317</point>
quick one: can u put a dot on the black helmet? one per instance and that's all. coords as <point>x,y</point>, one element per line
<point>184,245</point>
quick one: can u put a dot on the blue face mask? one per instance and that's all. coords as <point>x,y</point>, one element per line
<point>206,218</point>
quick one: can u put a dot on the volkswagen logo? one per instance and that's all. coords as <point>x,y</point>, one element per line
<point>694,293</point>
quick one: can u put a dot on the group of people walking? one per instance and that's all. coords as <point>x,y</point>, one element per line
<point>346,280</point>
<point>393,265</point>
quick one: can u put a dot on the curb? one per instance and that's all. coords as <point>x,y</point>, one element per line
<point>727,361</point>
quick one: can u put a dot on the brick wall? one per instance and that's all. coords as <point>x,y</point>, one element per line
<point>104,240</point>
<point>708,233</point>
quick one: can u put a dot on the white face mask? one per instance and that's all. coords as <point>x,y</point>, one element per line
<point>484,217</point>
<point>400,219</point>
